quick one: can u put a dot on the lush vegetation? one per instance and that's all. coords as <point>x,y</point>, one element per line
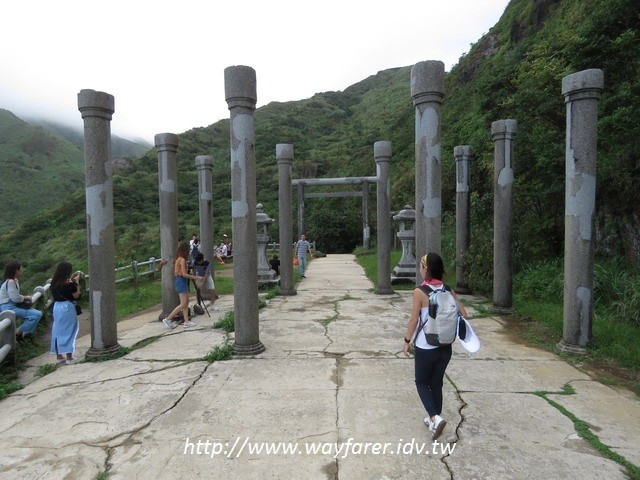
<point>513,71</point>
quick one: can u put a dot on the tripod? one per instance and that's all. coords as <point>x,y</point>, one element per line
<point>199,301</point>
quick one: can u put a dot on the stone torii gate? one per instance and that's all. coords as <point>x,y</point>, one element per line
<point>301,183</point>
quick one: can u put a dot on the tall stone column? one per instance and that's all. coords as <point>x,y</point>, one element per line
<point>427,93</point>
<point>166,148</point>
<point>240,94</point>
<point>300,192</point>
<point>382,155</point>
<point>97,109</point>
<point>204,164</point>
<point>503,133</point>
<point>581,92</point>
<point>284,156</point>
<point>463,155</point>
<point>366,230</point>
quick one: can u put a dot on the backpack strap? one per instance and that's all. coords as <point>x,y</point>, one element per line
<point>427,291</point>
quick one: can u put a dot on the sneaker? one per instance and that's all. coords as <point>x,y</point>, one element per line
<point>188,324</point>
<point>428,423</point>
<point>215,308</point>
<point>71,361</point>
<point>438,426</point>
<point>170,325</point>
<point>302,276</point>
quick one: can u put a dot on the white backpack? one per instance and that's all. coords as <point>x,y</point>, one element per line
<point>441,327</point>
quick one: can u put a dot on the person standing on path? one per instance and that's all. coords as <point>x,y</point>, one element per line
<point>182,277</point>
<point>302,247</point>
<point>430,361</point>
<point>65,290</point>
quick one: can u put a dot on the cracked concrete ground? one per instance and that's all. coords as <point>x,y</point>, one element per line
<point>332,374</point>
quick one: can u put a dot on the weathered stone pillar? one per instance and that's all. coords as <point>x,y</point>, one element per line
<point>284,156</point>
<point>97,109</point>
<point>503,133</point>
<point>300,191</point>
<point>240,94</point>
<point>166,147</point>
<point>204,164</point>
<point>463,155</point>
<point>382,155</point>
<point>366,231</point>
<point>581,92</point>
<point>427,92</point>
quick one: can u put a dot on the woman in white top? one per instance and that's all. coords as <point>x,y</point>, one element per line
<point>430,361</point>
<point>10,297</point>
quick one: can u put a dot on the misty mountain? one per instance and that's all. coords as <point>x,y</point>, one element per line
<point>40,161</point>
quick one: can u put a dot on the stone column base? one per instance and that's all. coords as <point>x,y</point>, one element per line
<point>501,310</point>
<point>384,291</point>
<point>288,293</point>
<point>102,352</point>
<point>254,349</point>
<point>569,348</point>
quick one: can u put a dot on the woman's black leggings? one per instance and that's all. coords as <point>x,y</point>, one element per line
<point>430,366</point>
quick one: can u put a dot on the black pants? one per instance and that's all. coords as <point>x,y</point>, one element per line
<point>430,366</point>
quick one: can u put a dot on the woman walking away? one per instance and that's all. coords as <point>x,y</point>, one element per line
<point>11,298</point>
<point>65,291</point>
<point>430,361</point>
<point>182,287</point>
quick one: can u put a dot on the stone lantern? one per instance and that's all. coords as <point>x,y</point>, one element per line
<point>406,268</point>
<point>265,273</point>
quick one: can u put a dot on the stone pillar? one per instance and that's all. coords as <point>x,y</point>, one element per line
<point>204,164</point>
<point>406,268</point>
<point>284,156</point>
<point>427,93</point>
<point>166,147</point>
<point>366,231</point>
<point>265,273</point>
<point>300,192</point>
<point>581,92</point>
<point>463,155</point>
<point>503,133</point>
<point>97,109</point>
<point>382,155</point>
<point>240,94</point>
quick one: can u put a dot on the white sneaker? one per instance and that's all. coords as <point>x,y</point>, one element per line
<point>170,325</point>
<point>438,426</point>
<point>428,423</point>
<point>188,324</point>
<point>215,308</point>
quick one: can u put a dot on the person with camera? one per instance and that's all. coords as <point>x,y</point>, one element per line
<point>12,299</point>
<point>65,290</point>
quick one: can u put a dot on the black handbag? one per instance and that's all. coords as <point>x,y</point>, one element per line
<point>27,304</point>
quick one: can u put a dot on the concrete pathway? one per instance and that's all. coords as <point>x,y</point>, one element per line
<point>332,379</point>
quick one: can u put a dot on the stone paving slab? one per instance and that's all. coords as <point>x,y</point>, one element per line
<point>332,371</point>
<point>613,417</point>
<point>520,435</point>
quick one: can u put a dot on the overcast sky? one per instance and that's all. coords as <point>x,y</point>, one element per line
<point>164,61</point>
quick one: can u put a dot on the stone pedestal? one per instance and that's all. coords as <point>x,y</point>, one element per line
<point>406,268</point>
<point>265,273</point>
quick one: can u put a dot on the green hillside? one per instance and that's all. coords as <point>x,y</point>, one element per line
<point>514,71</point>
